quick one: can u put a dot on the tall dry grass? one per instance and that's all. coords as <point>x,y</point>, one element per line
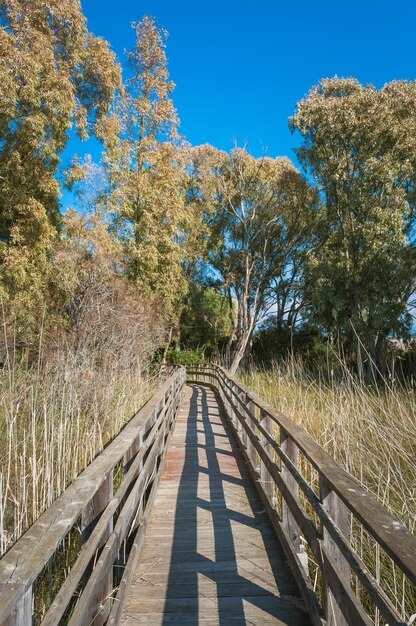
<point>59,409</point>
<point>371,432</point>
<point>54,421</point>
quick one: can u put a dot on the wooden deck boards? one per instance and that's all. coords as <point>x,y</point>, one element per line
<point>210,556</point>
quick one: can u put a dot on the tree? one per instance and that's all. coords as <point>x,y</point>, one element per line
<point>146,165</point>
<point>360,146</point>
<point>204,321</point>
<point>262,210</point>
<point>53,73</point>
<point>103,319</point>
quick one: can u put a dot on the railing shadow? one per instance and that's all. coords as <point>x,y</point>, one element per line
<point>207,576</point>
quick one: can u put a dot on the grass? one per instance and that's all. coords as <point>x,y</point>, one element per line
<point>56,416</point>
<point>369,431</point>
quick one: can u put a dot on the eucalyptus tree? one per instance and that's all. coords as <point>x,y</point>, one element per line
<point>360,146</point>
<point>54,74</point>
<point>145,161</point>
<point>261,211</point>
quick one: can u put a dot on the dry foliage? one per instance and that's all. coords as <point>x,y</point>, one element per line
<point>370,432</point>
<point>91,373</point>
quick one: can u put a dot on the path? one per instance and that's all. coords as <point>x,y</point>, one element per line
<point>210,555</point>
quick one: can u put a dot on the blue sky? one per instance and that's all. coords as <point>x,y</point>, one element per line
<point>241,66</point>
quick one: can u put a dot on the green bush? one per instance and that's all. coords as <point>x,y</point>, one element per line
<point>189,358</point>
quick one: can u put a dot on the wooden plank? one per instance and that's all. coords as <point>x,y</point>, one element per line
<point>92,597</point>
<point>338,513</point>
<point>265,477</point>
<point>313,538</point>
<point>251,452</point>
<point>95,539</point>
<point>208,525</point>
<point>335,581</point>
<point>22,614</point>
<point>25,560</point>
<point>391,534</point>
<point>140,528</point>
<point>60,602</point>
<point>290,449</point>
<point>308,593</point>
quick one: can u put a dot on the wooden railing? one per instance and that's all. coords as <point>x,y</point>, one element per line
<point>94,531</point>
<point>314,511</point>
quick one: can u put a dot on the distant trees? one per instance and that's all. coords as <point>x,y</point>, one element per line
<point>359,144</point>
<point>339,255</point>
<point>205,321</point>
<point>195,228</point>
<point>261,212</point>
<point>104,315</point>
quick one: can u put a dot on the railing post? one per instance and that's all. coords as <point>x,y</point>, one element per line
<point>338,513</point>
<point>241,430</point>
<point>265,478</point>
<point>22,614</point>
<point>291,450</point>
<point>251,451</point>
<point>132,452</point>
<point>234,405</point>
<point>229,406</point>
<point>220,384</point>
<point>90,516</point>
<point>127,461</point>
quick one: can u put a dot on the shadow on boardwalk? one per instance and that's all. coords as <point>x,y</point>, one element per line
<point>242,572</point>
<point>210,556</point>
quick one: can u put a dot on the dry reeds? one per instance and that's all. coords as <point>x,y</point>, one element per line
<point>58,411</point>
<point>371,432</point>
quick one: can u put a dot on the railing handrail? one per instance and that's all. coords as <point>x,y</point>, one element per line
<point>393,536</point>
<point>384,526</point>
<point>20,566</point>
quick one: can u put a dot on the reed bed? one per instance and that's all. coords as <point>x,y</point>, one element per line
<point>55,418</point>
<point>371,432</point>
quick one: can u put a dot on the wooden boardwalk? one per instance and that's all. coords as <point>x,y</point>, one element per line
<point>210,555</point>
<point>175,531</point>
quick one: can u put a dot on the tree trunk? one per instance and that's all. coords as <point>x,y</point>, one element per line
<point>233,320</point>
<point>169,341</point>
<point>380,353</point>
<point>239,351</point>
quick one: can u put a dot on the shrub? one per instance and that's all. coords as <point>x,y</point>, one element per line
<point>189,358</point>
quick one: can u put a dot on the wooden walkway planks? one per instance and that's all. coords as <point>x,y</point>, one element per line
<point>210,555</point>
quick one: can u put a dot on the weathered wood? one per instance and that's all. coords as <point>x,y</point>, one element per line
<point>265,478</point>
<point>89,519</point>
<point>213,528</point>
<point>92,604</point>
<point>290,449</point>
<point>305,586</point>
<point>69,586</point>
<point>89,496</point>
<point>22,614</point>
<point>337,583</point>
<point>209,542</point>
<point>118,604</point>
<point>251,451</point>
<point>139,527</point>
<point>338,513</point>
<point>391,534</point>
<point>131,453</point>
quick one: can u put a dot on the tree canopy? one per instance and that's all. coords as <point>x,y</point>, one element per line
<point>54,75</point>
<point>359,144</point>
<point>221,241</point>
<point>261,210</point>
